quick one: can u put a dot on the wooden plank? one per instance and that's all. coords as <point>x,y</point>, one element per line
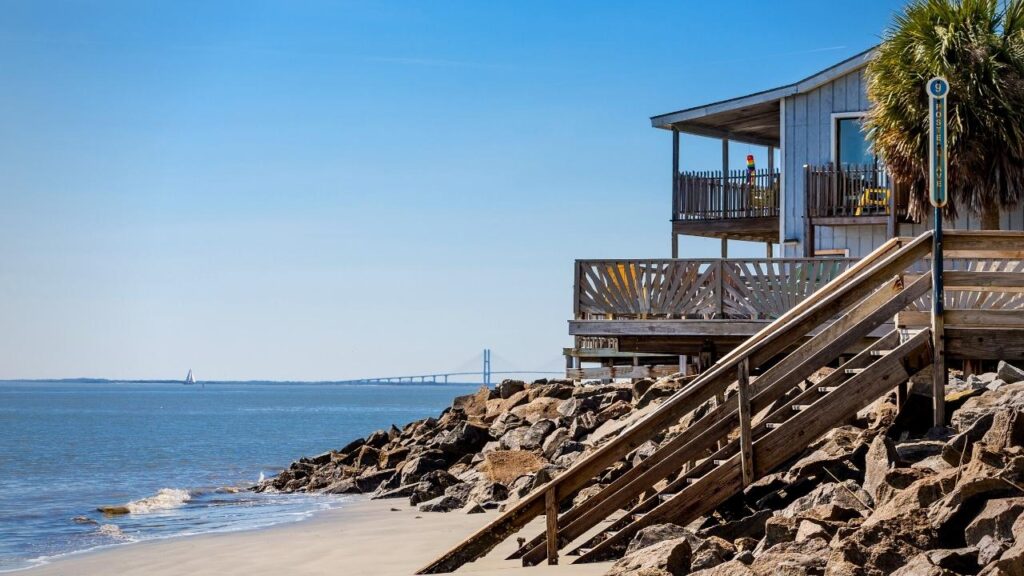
<point>979,318</point>
<point>551,512</point>
<point>611,328</point>
<point>989,343</point>
<point>615,372</point>
<point>983,281</point>
<point>746,455</point>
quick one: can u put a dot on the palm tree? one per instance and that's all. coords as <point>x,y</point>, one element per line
<point>978,45</point>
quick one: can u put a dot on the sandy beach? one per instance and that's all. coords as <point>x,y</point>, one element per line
<point>361,538</point>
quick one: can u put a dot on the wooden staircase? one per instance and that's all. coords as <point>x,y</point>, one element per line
<point>756,424</point>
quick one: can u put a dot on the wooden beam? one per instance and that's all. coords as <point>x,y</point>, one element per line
<point>704,328</point>
<point>743,397</point>
<point>983,281</point>
<point>551,512</point>
<point>989,343</point>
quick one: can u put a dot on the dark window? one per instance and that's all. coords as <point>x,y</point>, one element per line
<point>851,143</point>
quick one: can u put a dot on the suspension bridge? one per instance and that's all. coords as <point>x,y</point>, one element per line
<point>485,375</point>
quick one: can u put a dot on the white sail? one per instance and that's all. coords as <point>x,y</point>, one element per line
<point>190,379</point>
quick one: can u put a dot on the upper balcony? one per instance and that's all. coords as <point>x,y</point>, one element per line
<point>853,195</point>
<point>742,205</point>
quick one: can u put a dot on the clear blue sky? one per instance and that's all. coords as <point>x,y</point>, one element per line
<point>319,190</point>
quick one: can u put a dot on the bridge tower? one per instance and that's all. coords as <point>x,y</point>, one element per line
<point>487,367</point>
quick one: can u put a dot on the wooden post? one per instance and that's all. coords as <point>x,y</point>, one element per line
<point>725,182</point>
<point>768,250</point>
<point>551,511</point>
<point>808,225</point>
<point>743,396</point>
<point>675,245</point>
<point>684,365</point>
<point>725,248</point>
<point>720,288</point>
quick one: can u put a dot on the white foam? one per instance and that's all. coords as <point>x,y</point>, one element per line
<point>165,499</point>
<point>113,531</point>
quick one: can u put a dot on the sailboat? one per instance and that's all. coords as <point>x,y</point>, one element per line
<point>190,379</point>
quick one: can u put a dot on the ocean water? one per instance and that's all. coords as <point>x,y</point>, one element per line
<point>174,454</point>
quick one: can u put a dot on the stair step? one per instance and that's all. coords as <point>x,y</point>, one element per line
<point>719,462</point>
<point>692,480</point>
<point>880,352</point>
<point>827,389</point>
<point>772,425</point>
<point>853,371</point>
<point>800,407</point>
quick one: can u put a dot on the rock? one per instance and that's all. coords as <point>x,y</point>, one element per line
<point>614,411</point>
<point>832,451</point>
<point>431,485</point>
<point>464,438</point>
<point>343,486</point>
<point>736,567</point>
<point>509,387</point>
<point>1008,396</point>
<point>416,467</point>
<point>808,529</point>
<point>995,520</point>
<point>668,558</point>
<point>643,385</point>
<point>959,560</point>
<point>544,408</point>
<point>488,492</point>
<point>582,425</point>
<point>473,405</point>
<point>958,448</point>
<point>778,529</point>
<point>920,494</point>
<point>791,559</point>
<point>390,458</point>
<point>658,533</point>
<point>751,526</point>
<point>503,423</point>
<point>1009,373</point>
<point>536,434</point>
<point>846,494</point>
<point>896,480</point>
<point>1006,431</point>
<point>879,459</point>
<point>712,552</point>
<point>554,442</point>
<point>473,508</point>
<point>499,406</point>
<point>990,549</point>
<point>442,503</point>
<point>586,493</point>
<point>366,456</point>
<point>378,439</point>
<point>921,565</point>
<point>372,479</point>
<point>574,407</point>
<point>643,452</point>
<point>884,546</point>
<point>919,450</point>
<point>660,389</point>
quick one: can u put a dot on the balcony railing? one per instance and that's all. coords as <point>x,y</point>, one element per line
<point>856,191</point>
<point>706,196</point>
<point>756,289</point>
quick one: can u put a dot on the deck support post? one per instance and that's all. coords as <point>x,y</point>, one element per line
<point>675,190</point>
<point>725,183</point>
<point>551,513</point>
<point>743,397</point>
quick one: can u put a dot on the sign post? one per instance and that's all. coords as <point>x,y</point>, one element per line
<point>938,89</point>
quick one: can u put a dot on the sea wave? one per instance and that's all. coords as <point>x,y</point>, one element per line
<point>164,499</point>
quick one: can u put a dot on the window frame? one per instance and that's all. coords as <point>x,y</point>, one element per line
<point>836,117</point>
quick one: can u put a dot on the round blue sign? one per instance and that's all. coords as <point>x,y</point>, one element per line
<point>938,87</point>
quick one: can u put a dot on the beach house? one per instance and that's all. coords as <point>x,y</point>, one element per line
<point>813,192</point>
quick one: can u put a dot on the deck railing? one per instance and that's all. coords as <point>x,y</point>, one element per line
<point>757,289</point>
<point>707,196</point>
<point>851,192</point>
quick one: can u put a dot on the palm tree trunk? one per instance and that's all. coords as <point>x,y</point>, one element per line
<point>990,217</point>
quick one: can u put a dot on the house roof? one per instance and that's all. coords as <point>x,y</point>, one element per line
<point>753,118</point>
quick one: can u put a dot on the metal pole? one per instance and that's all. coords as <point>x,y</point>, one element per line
<point>938,90</point>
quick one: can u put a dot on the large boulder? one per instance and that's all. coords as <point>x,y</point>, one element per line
<point>879,459</point>
<point>712,552</point>
<point>791,559</point>
<point>1009,373</point>
<point>1008,396</point>
<point>431,485</point>
<point>884,546</point>
<point>416,467</point>
<point>995,520</point>
<point>509,387</point>
<point>832,453</point>
<point>464,438</point>
<point>846,494</point>
<point>668,558</point>
<point>659,533</point>
<point>544,408</point>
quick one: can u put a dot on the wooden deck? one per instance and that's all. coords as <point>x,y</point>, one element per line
<point>737,205</point>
